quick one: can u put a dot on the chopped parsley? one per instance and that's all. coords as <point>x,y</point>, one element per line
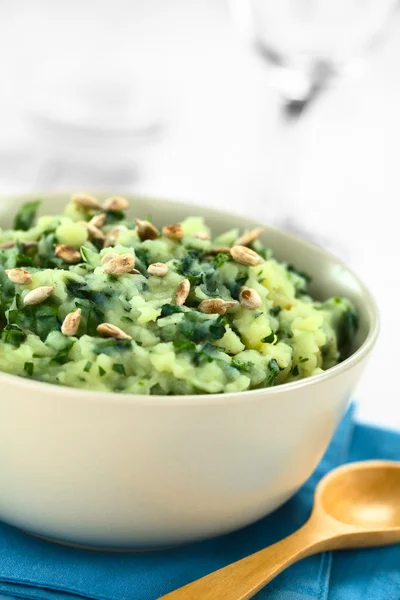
<point>111,346</point>
<point>220,259</point>
<point>169,309</point>
<point>13,335</point>
<point>273,369</point>
<point>62,356</point>
<point>88,366</point>
<point>26,215</point>
<point>125,319</point>
<point>28,368</point>
<point>184,346</point>
<point>269,338</point>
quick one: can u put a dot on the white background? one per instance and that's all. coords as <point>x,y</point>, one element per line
<point>216,138</point>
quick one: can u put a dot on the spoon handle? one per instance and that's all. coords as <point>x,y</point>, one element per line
<point>244,578</point>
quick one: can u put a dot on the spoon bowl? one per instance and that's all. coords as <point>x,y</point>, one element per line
<point>366,496</point>
<point>356,505</point>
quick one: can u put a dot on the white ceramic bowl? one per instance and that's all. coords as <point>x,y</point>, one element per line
<point>119,471</point>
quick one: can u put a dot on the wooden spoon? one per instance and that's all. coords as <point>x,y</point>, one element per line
<point>356,505</point>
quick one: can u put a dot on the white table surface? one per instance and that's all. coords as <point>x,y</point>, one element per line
<point>334,176</point>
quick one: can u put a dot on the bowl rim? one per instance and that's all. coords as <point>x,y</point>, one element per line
<point>220,397</point>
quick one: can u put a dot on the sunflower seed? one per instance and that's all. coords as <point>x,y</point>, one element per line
<point>108,330</point>
<point>71,323</point>
<point>215,306</point>
<point>113,235</point>
<point>158,269</point>
<point>98,220</point>
<point>182,292</point>
<point>120,264</point>
<point>94,232</point>
<point>249,298</point>
<point>245,256</point>
<point>146,230</point>
<point>201,235</point>
<point>38,295</point>
<point>21,276</point>
<point>107,257</point>
<point>25,245</point>
<point>85,200</point>
<point>249,237</point>
<point>115,204</point>
<point>69,254</point>
<point>7,245</point>
<point>173,232</point>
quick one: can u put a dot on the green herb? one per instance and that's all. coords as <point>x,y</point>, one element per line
<point>302,274</point>
<point>41,319</point>
<point>243,367</point>
<point>198,327</point>
<point>264,252</point>
<point>235,286</point>
<point>206,354</point>
<point>220,259</point>
<point>118,368</point>
<point>169,309</point>
<point>88,366</point>
<point>89,256</point>
<point>143,259</point>
<point>211,284</point>
<point>62,355</point>
<point>45,257</point>
<point>347,330</point>
<point>218,328</point>
<point>45,320</point>
<point>28,368</point>
<point>189,267</point>
<point>101,371</point>
<point>92,316</point>
<point>295,370</point>
<point>273,368</point>
<point>110,346</point>
<point>114,217</point>
<point>300,281</point>
<point>269,338</point>
<point>112,278</point>
<point>275,311</point>
<point>26,215</point>
<point>21,258</point>
<point>184,346</point>
<point>82,291</point>
<point>125,319</point>
<point>13,335</point>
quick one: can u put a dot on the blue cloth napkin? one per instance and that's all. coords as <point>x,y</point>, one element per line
<point>35,569</point>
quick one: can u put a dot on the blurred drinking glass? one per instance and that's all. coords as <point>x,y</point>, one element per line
<point>87,77</point>
<point>307,42</point>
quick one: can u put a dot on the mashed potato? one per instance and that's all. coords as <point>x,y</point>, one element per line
<point>93,300</point>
